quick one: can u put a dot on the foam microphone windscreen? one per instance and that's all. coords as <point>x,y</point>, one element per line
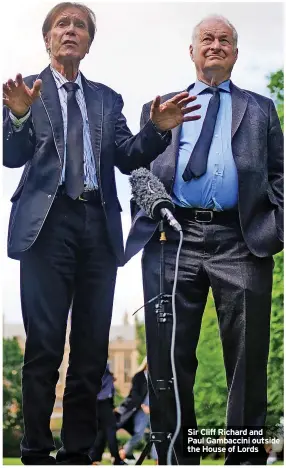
<point>149,192</point>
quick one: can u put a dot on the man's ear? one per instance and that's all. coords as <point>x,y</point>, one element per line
<point>47,42</point>
<point>191,50</point>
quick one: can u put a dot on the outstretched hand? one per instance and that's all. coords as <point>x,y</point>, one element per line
<point>18,97</point>
<point>173,112</point>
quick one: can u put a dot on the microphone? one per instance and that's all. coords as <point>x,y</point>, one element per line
<point>152,197</point>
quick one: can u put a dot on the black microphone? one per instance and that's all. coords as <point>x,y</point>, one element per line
<point>151,196</point>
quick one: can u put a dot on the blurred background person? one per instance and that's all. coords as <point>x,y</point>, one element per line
<point>134,414</point>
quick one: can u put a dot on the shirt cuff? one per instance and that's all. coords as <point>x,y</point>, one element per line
<point>18,122</point>
<point>161,133</point>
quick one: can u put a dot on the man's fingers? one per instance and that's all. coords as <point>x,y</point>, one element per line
<point>176,99</point>
<point>19,79</point>
<point>186,101</point>
<point>192,117</point>
<point>6,89</point>
<point>11,84</point>
<point>189,109</point>
<point>36,88</point>
<point>156,103</point>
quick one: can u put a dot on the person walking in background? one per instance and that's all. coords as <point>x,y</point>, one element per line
<point>225,176</point>
<point>65,224</point>
<point>106,421</point>
<point>134,413</point>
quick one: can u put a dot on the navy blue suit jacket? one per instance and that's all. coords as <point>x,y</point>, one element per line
<point>40,147</point>
<point>257,147</point>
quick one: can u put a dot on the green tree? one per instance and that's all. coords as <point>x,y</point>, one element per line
<point>276,87</point>
<point>12,396</point>
<point>276,352</point>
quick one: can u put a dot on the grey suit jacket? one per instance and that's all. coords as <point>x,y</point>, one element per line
<point>257,146</point>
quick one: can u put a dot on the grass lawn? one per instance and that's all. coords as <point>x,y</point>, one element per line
<point>205,461</point>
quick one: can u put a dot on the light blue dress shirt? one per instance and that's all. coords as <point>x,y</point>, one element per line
<point>90,179</point>
<point>217,189</point>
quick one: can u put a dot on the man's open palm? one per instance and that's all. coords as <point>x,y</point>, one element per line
<point>173,112</point>
<point>18,97</point>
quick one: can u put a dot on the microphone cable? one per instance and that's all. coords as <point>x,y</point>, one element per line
<point>173,364</point>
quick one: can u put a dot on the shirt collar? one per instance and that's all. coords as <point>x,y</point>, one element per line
<point>61,80</point>
<point>201,86</point>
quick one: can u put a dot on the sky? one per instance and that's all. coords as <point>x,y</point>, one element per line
<point>140,50</point>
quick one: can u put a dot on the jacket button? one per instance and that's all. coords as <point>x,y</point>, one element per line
<point>49,196</point>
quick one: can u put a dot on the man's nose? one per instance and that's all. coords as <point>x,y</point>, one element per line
<point>215,44</point>
<point>71,28</point>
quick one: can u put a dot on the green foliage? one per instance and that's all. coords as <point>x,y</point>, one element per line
<point>12,396</point>
<point>141,340</point>
<point>276,86</point>
<point>276,352</point>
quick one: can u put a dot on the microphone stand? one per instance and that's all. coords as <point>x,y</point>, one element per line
<point>164,383</point>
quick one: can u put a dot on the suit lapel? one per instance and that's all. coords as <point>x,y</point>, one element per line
<point>239,104</point>
<point>51,102</point>
<point>94,107</point>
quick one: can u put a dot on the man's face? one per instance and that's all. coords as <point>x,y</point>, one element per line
<point>213,49</point>
<point>69,36</point>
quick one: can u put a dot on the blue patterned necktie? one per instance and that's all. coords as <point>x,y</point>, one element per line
<point>74,172</point>
<point>197,164</point>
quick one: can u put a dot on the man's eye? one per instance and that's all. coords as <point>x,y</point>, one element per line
<point>61,23</point>
<point>224,41</point>
<point>80,25</point>
<point>207,40</point>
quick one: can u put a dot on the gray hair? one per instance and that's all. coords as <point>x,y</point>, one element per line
<point>219,18</point>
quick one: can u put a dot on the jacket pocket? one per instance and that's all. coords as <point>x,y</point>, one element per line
<point>22,181</point>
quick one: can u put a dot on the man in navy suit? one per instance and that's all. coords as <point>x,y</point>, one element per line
<point>225,176</point>
<point>65,225</point>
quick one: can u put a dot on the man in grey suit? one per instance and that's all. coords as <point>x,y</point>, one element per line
<point>225,176</point>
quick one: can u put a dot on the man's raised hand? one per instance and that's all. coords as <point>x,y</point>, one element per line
<point>18,97</point>
<point>173,112</point>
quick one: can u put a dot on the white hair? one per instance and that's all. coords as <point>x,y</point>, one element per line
<point>218,18</point>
